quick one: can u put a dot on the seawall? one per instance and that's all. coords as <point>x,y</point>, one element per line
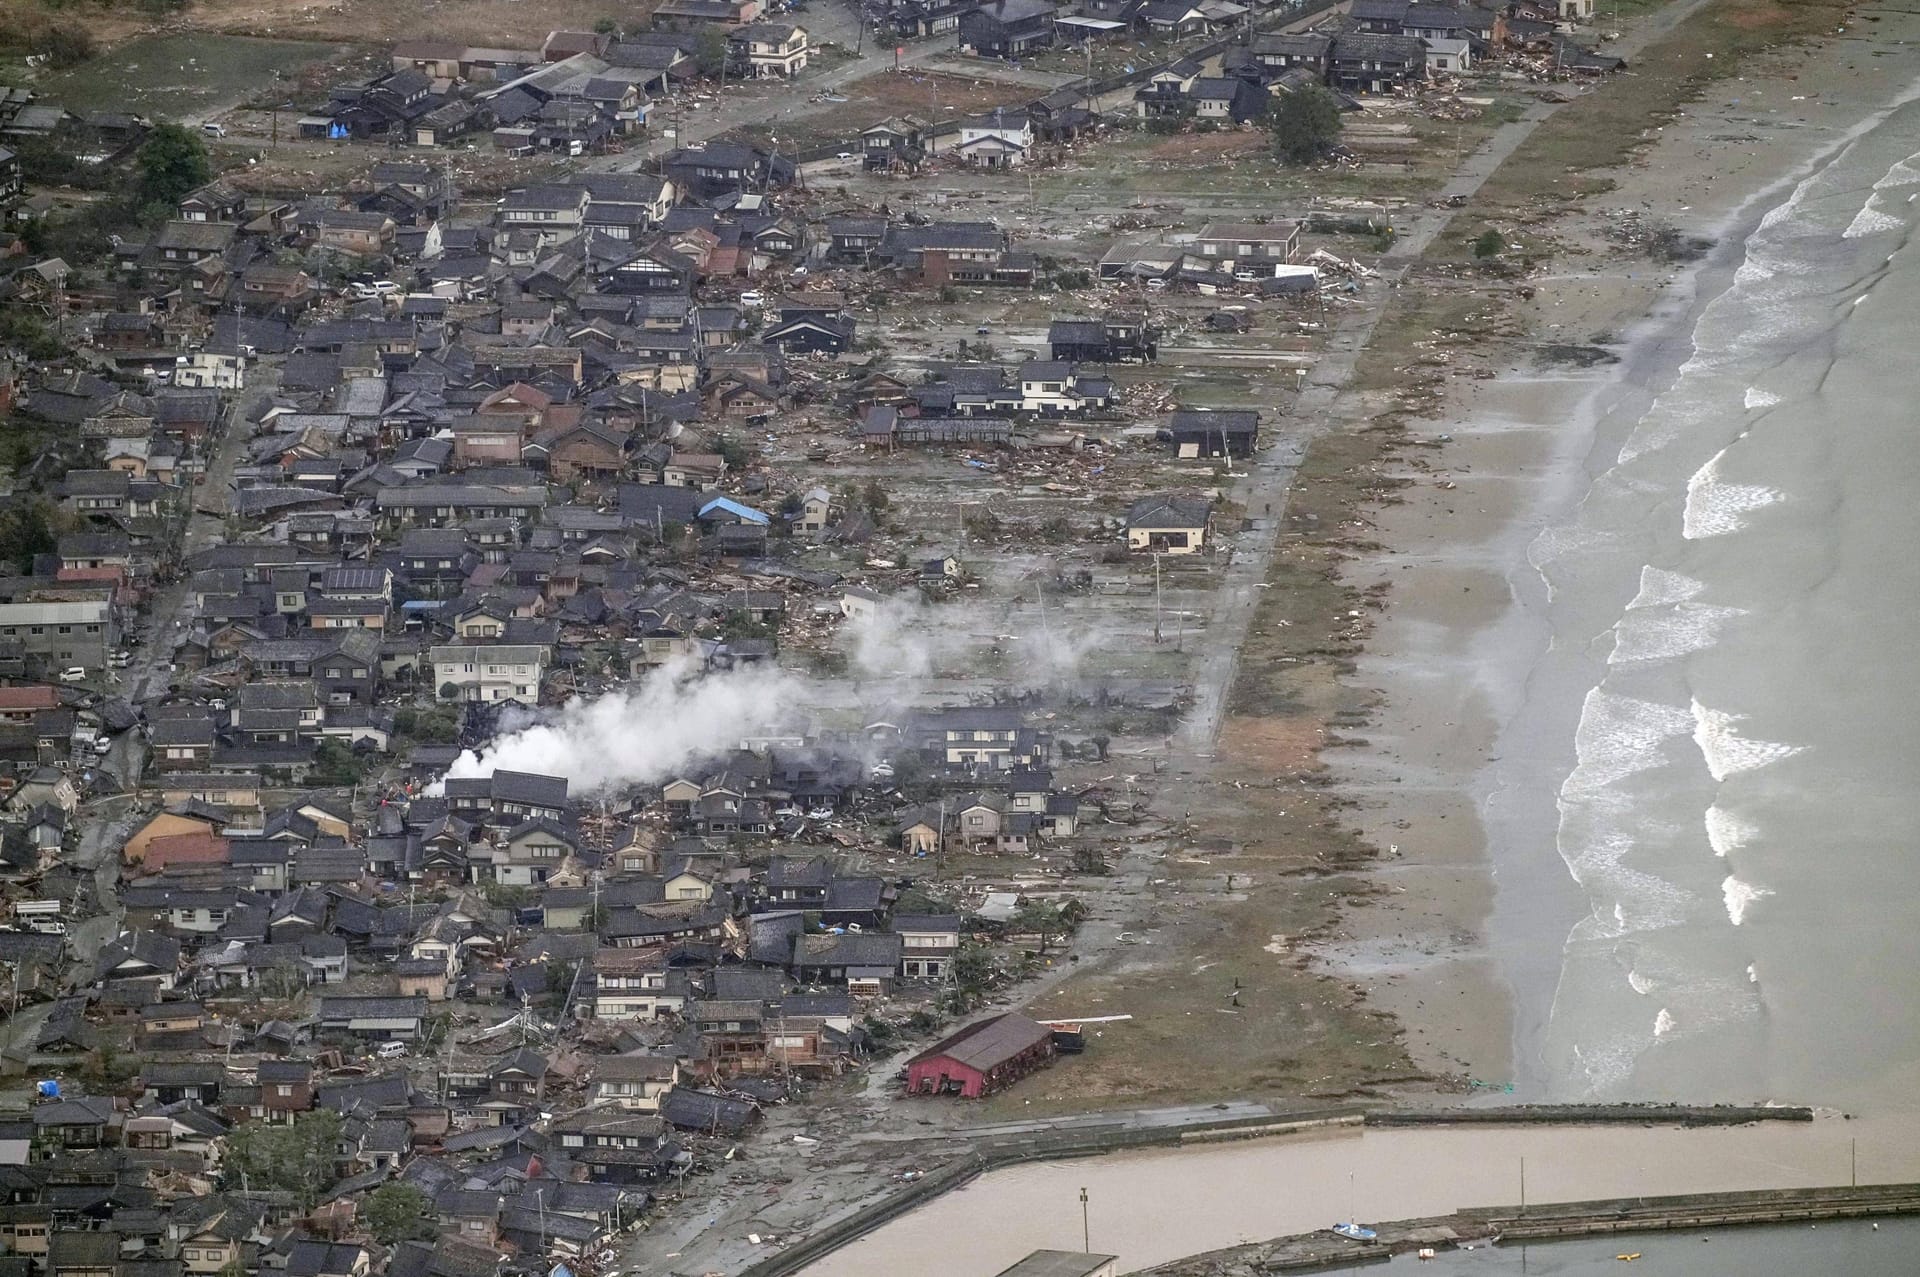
<point>1553,1221</point>
<point>993,1152</point>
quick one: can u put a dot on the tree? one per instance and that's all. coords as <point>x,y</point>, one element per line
<point>173,161</point>
<point>297,1158</point>
<point>335,764</point>
<point>732,451</point>
<point>69,46</point>
<point>711,51</point>
<point>876,498</point>
<point>1088,860</point>
<point>1489,244</point>
<point>1039,918</point>
<point>399,1213</point>
<point>973,970</point>
<point>25,531</point>
<point>1306,124</point>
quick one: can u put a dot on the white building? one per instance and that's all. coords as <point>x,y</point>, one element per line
<point>1001,140</point>
<point>491,672</point>
<point>205,371</point>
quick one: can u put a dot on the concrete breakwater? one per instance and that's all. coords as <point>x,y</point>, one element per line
<point>1010,1150</point>
<point>1092,1137</point>
<point>1595,1115</point>
<point>1549,1222</point>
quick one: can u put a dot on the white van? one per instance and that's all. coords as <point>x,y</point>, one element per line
<point>390,1050</point>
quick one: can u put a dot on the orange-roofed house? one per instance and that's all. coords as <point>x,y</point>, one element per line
<point>201,848</point>
<point>19,704</point>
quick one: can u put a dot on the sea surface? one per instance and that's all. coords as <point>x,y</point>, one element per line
<point>1151,1206</point>
<point>1732,603</point>
<point>1855,1248</point>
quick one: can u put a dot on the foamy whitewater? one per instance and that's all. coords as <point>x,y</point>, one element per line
<point>1748,555</point>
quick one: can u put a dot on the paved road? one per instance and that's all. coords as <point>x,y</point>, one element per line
<point>169,609</point>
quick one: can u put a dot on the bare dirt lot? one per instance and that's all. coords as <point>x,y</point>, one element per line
<point>928,95</point>
<point>500,23</point>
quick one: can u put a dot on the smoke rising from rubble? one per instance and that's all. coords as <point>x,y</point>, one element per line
<point>905,639</point>
<point>642,733</point>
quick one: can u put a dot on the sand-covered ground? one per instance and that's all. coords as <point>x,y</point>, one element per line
<point>1446,656</point>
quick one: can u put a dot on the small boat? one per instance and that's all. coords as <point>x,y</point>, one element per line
<point>1628,1258</point>
<point>1356,1233</point>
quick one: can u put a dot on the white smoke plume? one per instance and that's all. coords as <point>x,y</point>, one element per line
<point>906,638</point>
<point>642,733</point>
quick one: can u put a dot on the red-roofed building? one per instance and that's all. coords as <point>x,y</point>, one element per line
<point>186,849</point>
<point>19,704</point>
<point>981,1058</point>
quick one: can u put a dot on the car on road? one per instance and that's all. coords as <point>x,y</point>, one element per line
<point>74,674</point>
<point>213,130</point>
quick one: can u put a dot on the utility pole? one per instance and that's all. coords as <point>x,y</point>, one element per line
<point>1086,1232</point>
<point>1156,596</point>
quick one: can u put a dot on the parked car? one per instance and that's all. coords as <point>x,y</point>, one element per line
<point>74,674</point>
<point>753,297</point>
<point>819,813</point>
<point>213,130</point>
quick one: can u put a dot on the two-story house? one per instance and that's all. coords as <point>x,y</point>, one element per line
<point>767,49</point>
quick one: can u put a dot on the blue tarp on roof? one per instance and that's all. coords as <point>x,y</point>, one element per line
<point>746,514</point>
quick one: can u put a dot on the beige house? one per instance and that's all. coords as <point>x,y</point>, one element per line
<point>1169,524</point>
<point>771,48</point>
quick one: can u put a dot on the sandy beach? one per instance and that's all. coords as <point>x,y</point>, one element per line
<point>1460,645</point>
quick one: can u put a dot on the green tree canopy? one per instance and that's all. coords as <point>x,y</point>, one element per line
<point>710,50</point>
<point>1306,124</point>
<point>399,1213</point>
<point>173,161</point>
<point>25,531</point>
<point>296,1158</point>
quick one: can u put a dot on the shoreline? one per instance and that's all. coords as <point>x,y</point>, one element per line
<point>1461,767</point>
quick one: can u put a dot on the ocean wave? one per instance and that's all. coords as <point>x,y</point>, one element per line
<point>1758,398</point>
<point>1726,751</point>
<point>1648,635</point>
<point>1662,587</point>
<point>1619,736</point>
<point>1871,221</point>
<point>1903,173</point>
<point>1663,1023</point>
<point>1716,507</point>
<point>1639,983</point>
<point>1727,832</point>
<point>1740,896</point>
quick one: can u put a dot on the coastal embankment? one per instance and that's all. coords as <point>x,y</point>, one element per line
<point>1216,1183</point>
<point>1312,1252</point>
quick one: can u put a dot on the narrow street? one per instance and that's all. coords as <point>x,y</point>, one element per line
<point>169,610</point>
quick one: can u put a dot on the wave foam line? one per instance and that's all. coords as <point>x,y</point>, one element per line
<point>1726,751</point>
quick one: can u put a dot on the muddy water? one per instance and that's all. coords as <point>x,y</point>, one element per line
<point>1150,1207</point>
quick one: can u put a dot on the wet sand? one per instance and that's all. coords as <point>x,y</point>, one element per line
<point>1467,951</point>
